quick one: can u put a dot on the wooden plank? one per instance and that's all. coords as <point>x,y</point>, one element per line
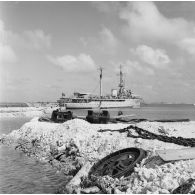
<point>76,180</point>
<point>177,154</point>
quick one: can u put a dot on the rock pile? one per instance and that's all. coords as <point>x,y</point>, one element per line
<point>69,145</point>
<point>161,179</point>
<point>30,112</point>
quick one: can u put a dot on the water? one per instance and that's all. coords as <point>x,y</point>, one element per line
<point>22,174</point>
<point>9,124</point>
<point>154,112</point>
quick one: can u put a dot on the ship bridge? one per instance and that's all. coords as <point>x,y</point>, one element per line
<point>81,95</point>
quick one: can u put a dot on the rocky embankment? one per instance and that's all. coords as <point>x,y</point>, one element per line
<point>70,145</point>
<point>30,112</point>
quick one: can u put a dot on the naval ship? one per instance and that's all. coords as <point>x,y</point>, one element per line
<point>121,98</point>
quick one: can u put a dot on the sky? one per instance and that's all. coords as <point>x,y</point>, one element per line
<point>47,48</point>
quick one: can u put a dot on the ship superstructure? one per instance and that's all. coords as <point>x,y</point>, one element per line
<point>117,99</point>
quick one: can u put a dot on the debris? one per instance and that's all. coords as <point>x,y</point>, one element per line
<point>105,183</point>
<point>138,141</point>
<point>45,119</point>
<point>137,132</point>
<point>75,182</point>
<point>193,165</point>
<point>120,113</point>
<point>117,191</point>
<point>118,164</point>
<point>164,177</point>
<point>162,130</point>
<point>90,190</point>
<point>184,188</point>
<point>153,161</point>
<point>179,154</point>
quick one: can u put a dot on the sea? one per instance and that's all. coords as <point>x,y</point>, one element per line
<point>20,174</point>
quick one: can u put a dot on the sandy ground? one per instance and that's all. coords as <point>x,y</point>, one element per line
<point>92,145</point>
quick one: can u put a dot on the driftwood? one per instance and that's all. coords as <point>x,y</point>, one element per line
<point>177,154</point>
<point>76,180</point>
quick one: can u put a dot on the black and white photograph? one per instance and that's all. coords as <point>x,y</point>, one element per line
<point>97,97</point>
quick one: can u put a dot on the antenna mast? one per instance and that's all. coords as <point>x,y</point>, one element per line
<point>100,82</point>
<point>121,84</point>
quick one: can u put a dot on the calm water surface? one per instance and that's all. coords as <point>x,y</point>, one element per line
<point>154,112</point>
<point>20,174</point>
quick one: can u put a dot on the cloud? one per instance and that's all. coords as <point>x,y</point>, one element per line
<point>107,37</point>
<point>107,7</point>
<point>188,44</point>
<point>145,21</point>
<point>105,41</point>
<point>17,81</point>
<point>37,39</point>
<point>30,39</point>
<point>70,63</point>
<point>155,57</point>
<point>7,54</point>
<point>2,28</point>
<point>133,67</point>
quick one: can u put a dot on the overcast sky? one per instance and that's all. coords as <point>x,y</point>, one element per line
<point>47,48</point>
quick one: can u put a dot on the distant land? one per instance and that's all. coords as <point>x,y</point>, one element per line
<point>165,104</point>
<point>13,104</point>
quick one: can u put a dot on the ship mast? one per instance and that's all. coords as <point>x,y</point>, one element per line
<point>121,84</point>
<point>100,82</point>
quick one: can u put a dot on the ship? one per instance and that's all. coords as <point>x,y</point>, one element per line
<point>121,98</point>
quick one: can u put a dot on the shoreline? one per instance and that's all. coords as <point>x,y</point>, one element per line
<point>30,112</point>
<point>69,146</point>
